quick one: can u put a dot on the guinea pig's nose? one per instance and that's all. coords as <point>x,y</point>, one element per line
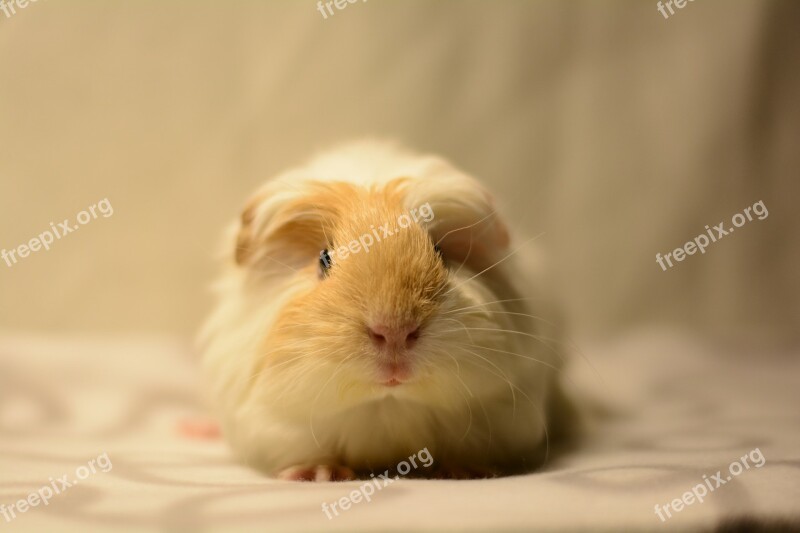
<point>384,336</point>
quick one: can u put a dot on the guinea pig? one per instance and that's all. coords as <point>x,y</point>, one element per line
<point>374,304</point>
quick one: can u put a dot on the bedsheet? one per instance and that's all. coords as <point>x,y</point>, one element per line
<point>664,411</point>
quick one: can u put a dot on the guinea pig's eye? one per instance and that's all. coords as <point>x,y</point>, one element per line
<point>324,263</point>
<point>438,250</point>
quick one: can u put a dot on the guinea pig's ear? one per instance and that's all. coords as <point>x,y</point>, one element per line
<point>282,225</point>
<point>245,238</point>
<point>471,234</point>
<point>464,221</point>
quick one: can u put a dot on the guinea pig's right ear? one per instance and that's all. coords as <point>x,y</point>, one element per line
<point>245,236</point>
<point>282,225</point>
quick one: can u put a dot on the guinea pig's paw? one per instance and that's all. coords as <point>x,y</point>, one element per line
<point>197,428</point>
<point>317,473</point>
<point>462,472</point>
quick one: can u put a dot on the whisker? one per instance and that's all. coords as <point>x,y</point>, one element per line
<point>494,212</point>
<point>528,357</point>
<point>526,334</point>
<point>514,313</point>
<point>469,251</point>
<point>495,264</point>
<point>543,418</point>
<point>461,265</point>
<point>458,366</point>
<point>314,403</point>
<point>567,342</point>
<point>463,326</point>
<point>469,407</point>
<point>503,375</point>
<point>485,304</point>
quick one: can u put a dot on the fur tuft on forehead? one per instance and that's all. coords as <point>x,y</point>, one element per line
<point>296,221</point>
<point>289,222</point>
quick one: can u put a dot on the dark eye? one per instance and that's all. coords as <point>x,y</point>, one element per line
<point>438,250</point>
<point>325,263</point>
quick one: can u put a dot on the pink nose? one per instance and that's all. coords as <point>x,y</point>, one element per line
<point>393,337</point>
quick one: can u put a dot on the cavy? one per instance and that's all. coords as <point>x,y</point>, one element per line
<point>372,306</point>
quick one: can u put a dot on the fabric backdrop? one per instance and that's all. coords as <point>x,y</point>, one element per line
<point>618,133</point>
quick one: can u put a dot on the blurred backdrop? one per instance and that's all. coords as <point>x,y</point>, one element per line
<point>615,131</point>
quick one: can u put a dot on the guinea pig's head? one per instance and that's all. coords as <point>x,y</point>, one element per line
<point>376,291</point>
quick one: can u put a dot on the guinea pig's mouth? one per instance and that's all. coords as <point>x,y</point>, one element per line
<point>394,373</point>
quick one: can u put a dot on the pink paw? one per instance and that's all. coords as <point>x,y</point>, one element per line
<point>317,473</point>
<point>199,429</point>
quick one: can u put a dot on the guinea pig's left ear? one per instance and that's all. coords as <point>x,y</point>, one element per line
<point>282,226</point>
<point>465,223</point>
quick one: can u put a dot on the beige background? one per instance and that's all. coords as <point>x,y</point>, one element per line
<point>616,132</point>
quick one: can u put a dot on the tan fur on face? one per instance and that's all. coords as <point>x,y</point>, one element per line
<point>352,296</point>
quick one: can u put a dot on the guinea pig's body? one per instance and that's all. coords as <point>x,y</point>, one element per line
<point>373,307</point>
